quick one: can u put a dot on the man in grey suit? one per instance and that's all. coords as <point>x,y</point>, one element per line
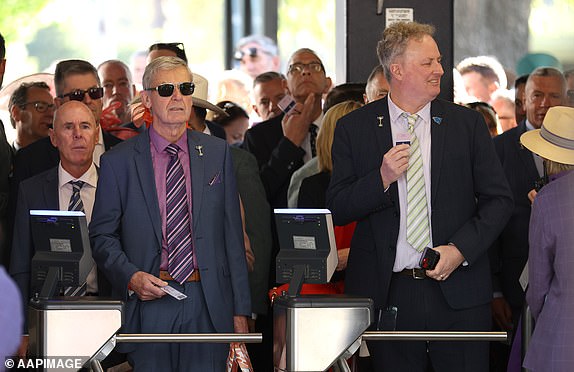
<point>167,213</point>
<point>412,149</point>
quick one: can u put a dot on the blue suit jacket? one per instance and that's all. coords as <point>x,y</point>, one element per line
<point>126,233</point>
<point>470,199</point>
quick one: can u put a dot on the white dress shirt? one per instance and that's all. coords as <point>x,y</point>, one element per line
<point>407,257</point>
<point>88,195</point>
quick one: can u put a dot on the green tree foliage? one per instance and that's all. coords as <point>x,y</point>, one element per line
<point>16,16</point>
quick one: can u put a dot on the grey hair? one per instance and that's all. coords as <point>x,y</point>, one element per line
<point>161,64</point>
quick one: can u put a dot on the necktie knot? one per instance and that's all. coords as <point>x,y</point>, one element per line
<point>411,120</point>
<point>77,185</point>
<point>172,149</point>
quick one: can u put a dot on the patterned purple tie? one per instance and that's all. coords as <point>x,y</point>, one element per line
<point>178,226</point>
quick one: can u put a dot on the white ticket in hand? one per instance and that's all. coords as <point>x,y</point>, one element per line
<point>286,104</point>
<point>173,292</point>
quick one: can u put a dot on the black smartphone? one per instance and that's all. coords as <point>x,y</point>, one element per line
<point>429,259</point>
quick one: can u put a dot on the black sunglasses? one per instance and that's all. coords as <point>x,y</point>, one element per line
<point>251,52</point>
<point>166,90</point>
<point>79,94</point>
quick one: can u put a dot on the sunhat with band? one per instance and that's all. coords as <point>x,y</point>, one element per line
<point>555,139</point>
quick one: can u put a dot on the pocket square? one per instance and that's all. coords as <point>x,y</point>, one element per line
<point>216,179</point>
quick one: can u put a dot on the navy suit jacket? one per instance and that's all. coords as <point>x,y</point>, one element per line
<point>509,253</point>
<point>126,232</point>
<point>470,199</point>
<point>38,192</point>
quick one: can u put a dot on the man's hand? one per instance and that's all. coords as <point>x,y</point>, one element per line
<point>502,313</point>
<point>296,124</point>
<point>240,324</point>
<point>531,195</point>
<point>343,256</point>
<point>146,286</point>
<point>395,163</point>
<point>450,259</point>
<point>23,348</point>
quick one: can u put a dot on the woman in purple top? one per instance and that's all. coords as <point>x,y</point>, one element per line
<point>550,291</point>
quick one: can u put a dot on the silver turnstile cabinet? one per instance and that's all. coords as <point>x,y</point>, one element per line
<point>73,327</point>
<point>310,333</point>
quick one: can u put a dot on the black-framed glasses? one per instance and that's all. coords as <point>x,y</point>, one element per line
<point>79,94</point>
<point>166,90</point>
<point>250,52</point>
<point>41,106</point>
<point>298,68</point>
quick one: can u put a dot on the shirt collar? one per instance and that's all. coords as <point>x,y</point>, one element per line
<point>90,177</point>
<point>529,126</point>
<point>160,143</point>
<point>395,111</point>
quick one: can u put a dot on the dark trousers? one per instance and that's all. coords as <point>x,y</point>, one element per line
<point>421,306</point>
<point>168,315</point>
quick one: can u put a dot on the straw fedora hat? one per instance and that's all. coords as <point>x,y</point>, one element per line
<point>199,95</point>
<point>555,139</point>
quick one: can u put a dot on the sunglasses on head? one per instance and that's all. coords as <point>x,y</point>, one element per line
<point>166,90</point>
<point>79,94</point>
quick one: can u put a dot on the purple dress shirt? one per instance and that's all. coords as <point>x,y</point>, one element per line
<point>160,160</point>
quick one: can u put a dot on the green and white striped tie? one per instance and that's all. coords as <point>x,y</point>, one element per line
<point>418,230</point>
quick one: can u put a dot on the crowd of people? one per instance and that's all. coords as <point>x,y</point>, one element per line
<point>179,192</point>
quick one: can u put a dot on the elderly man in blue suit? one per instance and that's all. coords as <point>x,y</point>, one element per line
<point>167,214</point>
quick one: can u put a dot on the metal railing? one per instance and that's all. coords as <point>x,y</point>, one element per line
<point>433,336</point>
<point>190,337</point>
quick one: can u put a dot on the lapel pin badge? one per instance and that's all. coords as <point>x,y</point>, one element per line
<point>199,149</point>
<point>380,118</point>
<point>437,119</point>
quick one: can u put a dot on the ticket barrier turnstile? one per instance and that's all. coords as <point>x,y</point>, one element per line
<point>311,333</point>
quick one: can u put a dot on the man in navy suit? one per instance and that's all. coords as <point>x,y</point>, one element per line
<point>283,143</point>
<point>545,88</point>
<point>462,201</point>
<point>134,238</point>
<point>75,134</point>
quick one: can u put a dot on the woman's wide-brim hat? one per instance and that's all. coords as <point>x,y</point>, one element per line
<point>555,139</point>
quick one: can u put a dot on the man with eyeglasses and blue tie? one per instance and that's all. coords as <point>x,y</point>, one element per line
<point>31,110</point>
<point>166,230</point>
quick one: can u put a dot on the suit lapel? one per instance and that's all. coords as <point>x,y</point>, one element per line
<point>439,123</point>
<point>51,190</point>
<point>144,168</point>
<point>525,155</point>
<point>380,124</point>
<point>196,155</point>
